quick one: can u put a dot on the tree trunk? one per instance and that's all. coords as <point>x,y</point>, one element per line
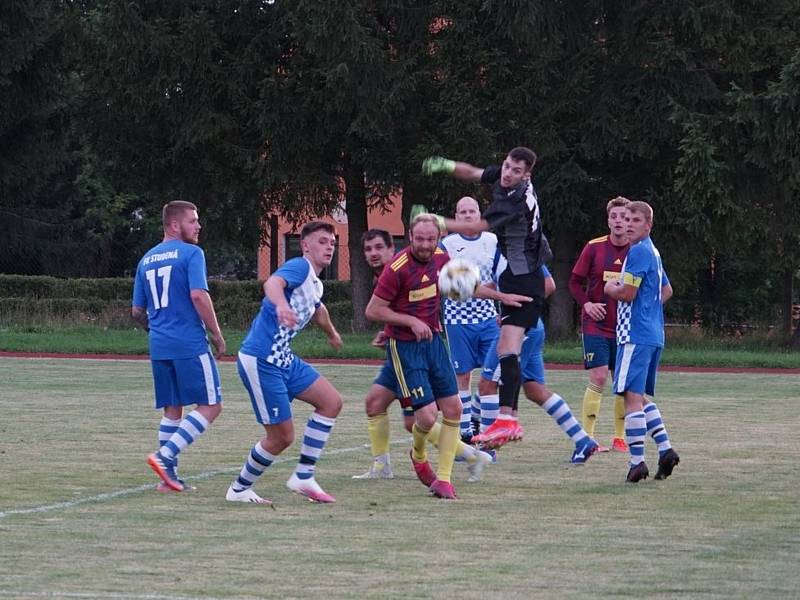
<point>561,311</point>
<point>273,244</point>
<point>356,210</point>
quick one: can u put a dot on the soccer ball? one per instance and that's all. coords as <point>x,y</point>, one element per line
<point>458,279</point>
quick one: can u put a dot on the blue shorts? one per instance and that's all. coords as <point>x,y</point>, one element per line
<point>636,369</point>
<point>599,351</point>
<point>185,381</point>
<point>422,371</point>
<point>387,379</point>
<point>470,343</point>
<point>273,388</point>
<point>531,360</point>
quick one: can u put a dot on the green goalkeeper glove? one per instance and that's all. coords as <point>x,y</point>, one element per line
<point>438,164</point>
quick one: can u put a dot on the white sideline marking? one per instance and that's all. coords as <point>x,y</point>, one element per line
<point>149,486</point>
<point>118,595</point>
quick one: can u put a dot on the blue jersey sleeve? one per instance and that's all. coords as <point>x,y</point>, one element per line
<point>294,272</point>
<point>546,272</point>
<point>638,261</point>
<point>664,278</point>
<point>139,297</point>
<point>196,270</point>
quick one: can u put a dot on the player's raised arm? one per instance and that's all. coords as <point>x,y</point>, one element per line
<point>462,171</point>
<point>322,319</point>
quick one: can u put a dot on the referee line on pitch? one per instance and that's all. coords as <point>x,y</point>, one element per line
<point>114,595</point>
<point>106,496</point>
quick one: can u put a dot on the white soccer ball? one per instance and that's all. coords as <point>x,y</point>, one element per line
<point>459,279</point>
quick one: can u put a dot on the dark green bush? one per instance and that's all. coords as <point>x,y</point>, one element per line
<point>53,301</point>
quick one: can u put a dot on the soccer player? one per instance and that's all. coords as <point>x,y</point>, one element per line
<point>533,378</point>
<point>378,248</point>
<point>514,217</point>
<point>601,261</point>
<point>640,293</point>
<point>171,301</point>
<point>407,300</point>
<point>274,376</point>
<point>471,326</point>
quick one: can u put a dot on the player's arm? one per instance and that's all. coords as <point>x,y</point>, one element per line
<point>666,293</point>
<point>274,291</point>
<point>577,286</point>
<point>322,319</point>
<point>205,308</point>
<point>139,314</point>
<point>488,292</point>
<point>666,287</point>
<point>379,310</point>
<point>624,291</point>
<point>459,170</point>
<point>549,286</point>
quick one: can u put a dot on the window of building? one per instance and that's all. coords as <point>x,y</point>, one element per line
<point>292,249</point>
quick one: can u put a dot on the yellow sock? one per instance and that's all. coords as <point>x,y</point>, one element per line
<point>619,417</point>
<point>420,436</point>
<point>590,407</point>
<point>448,441</point>
<point>461,448</point>
<point>379,431</point>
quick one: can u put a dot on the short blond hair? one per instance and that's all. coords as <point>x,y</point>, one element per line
<point>615,202</point>
<point>174,210</point>
<point>643,208</point>
<point>424,218</point>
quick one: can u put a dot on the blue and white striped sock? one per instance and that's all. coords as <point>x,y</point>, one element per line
<point>255,465</point>
<point>475,411</point>
<point>656,428</point>
<point>316,434</point>
<point>490,408</point>
<point>466,411</point>
<point>165,430</point>
<point>191,427</point>
<point>562,415</point>
<point>635,431</point>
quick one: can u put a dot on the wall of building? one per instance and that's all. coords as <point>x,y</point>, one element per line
<point>390,221</point>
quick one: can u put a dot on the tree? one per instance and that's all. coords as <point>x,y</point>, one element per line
<point>57,215</point>
<point>335,111</point>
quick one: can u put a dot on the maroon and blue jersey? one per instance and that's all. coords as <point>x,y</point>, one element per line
<point>600,261</point>
<point>411,287</point>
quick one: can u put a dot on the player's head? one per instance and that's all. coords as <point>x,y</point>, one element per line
<point>517,167</point>
<point>615,209</point>
<point>378,247</point>
<point>423,236</point>
<point>638,220</point>
<point>180,221</point>
<point>468,210</point>
<point>318,242</point>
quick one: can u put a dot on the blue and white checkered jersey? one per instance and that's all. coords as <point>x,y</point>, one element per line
<point>642,321</point>
<point>268,339</point>
<point>483,251</point>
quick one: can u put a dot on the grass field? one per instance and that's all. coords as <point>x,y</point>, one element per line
<point>684,347</point>
<point>79,516</point>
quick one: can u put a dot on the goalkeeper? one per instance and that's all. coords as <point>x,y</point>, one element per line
<point>514,217</point>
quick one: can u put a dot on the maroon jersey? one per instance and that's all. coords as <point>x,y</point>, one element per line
<point>600,261</point>
<point>411,287</point>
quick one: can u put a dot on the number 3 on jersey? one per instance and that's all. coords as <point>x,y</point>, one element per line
<point>161,301</point>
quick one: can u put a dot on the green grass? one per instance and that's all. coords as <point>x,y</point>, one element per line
<point>79,516</point>
<point>681,349</point>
